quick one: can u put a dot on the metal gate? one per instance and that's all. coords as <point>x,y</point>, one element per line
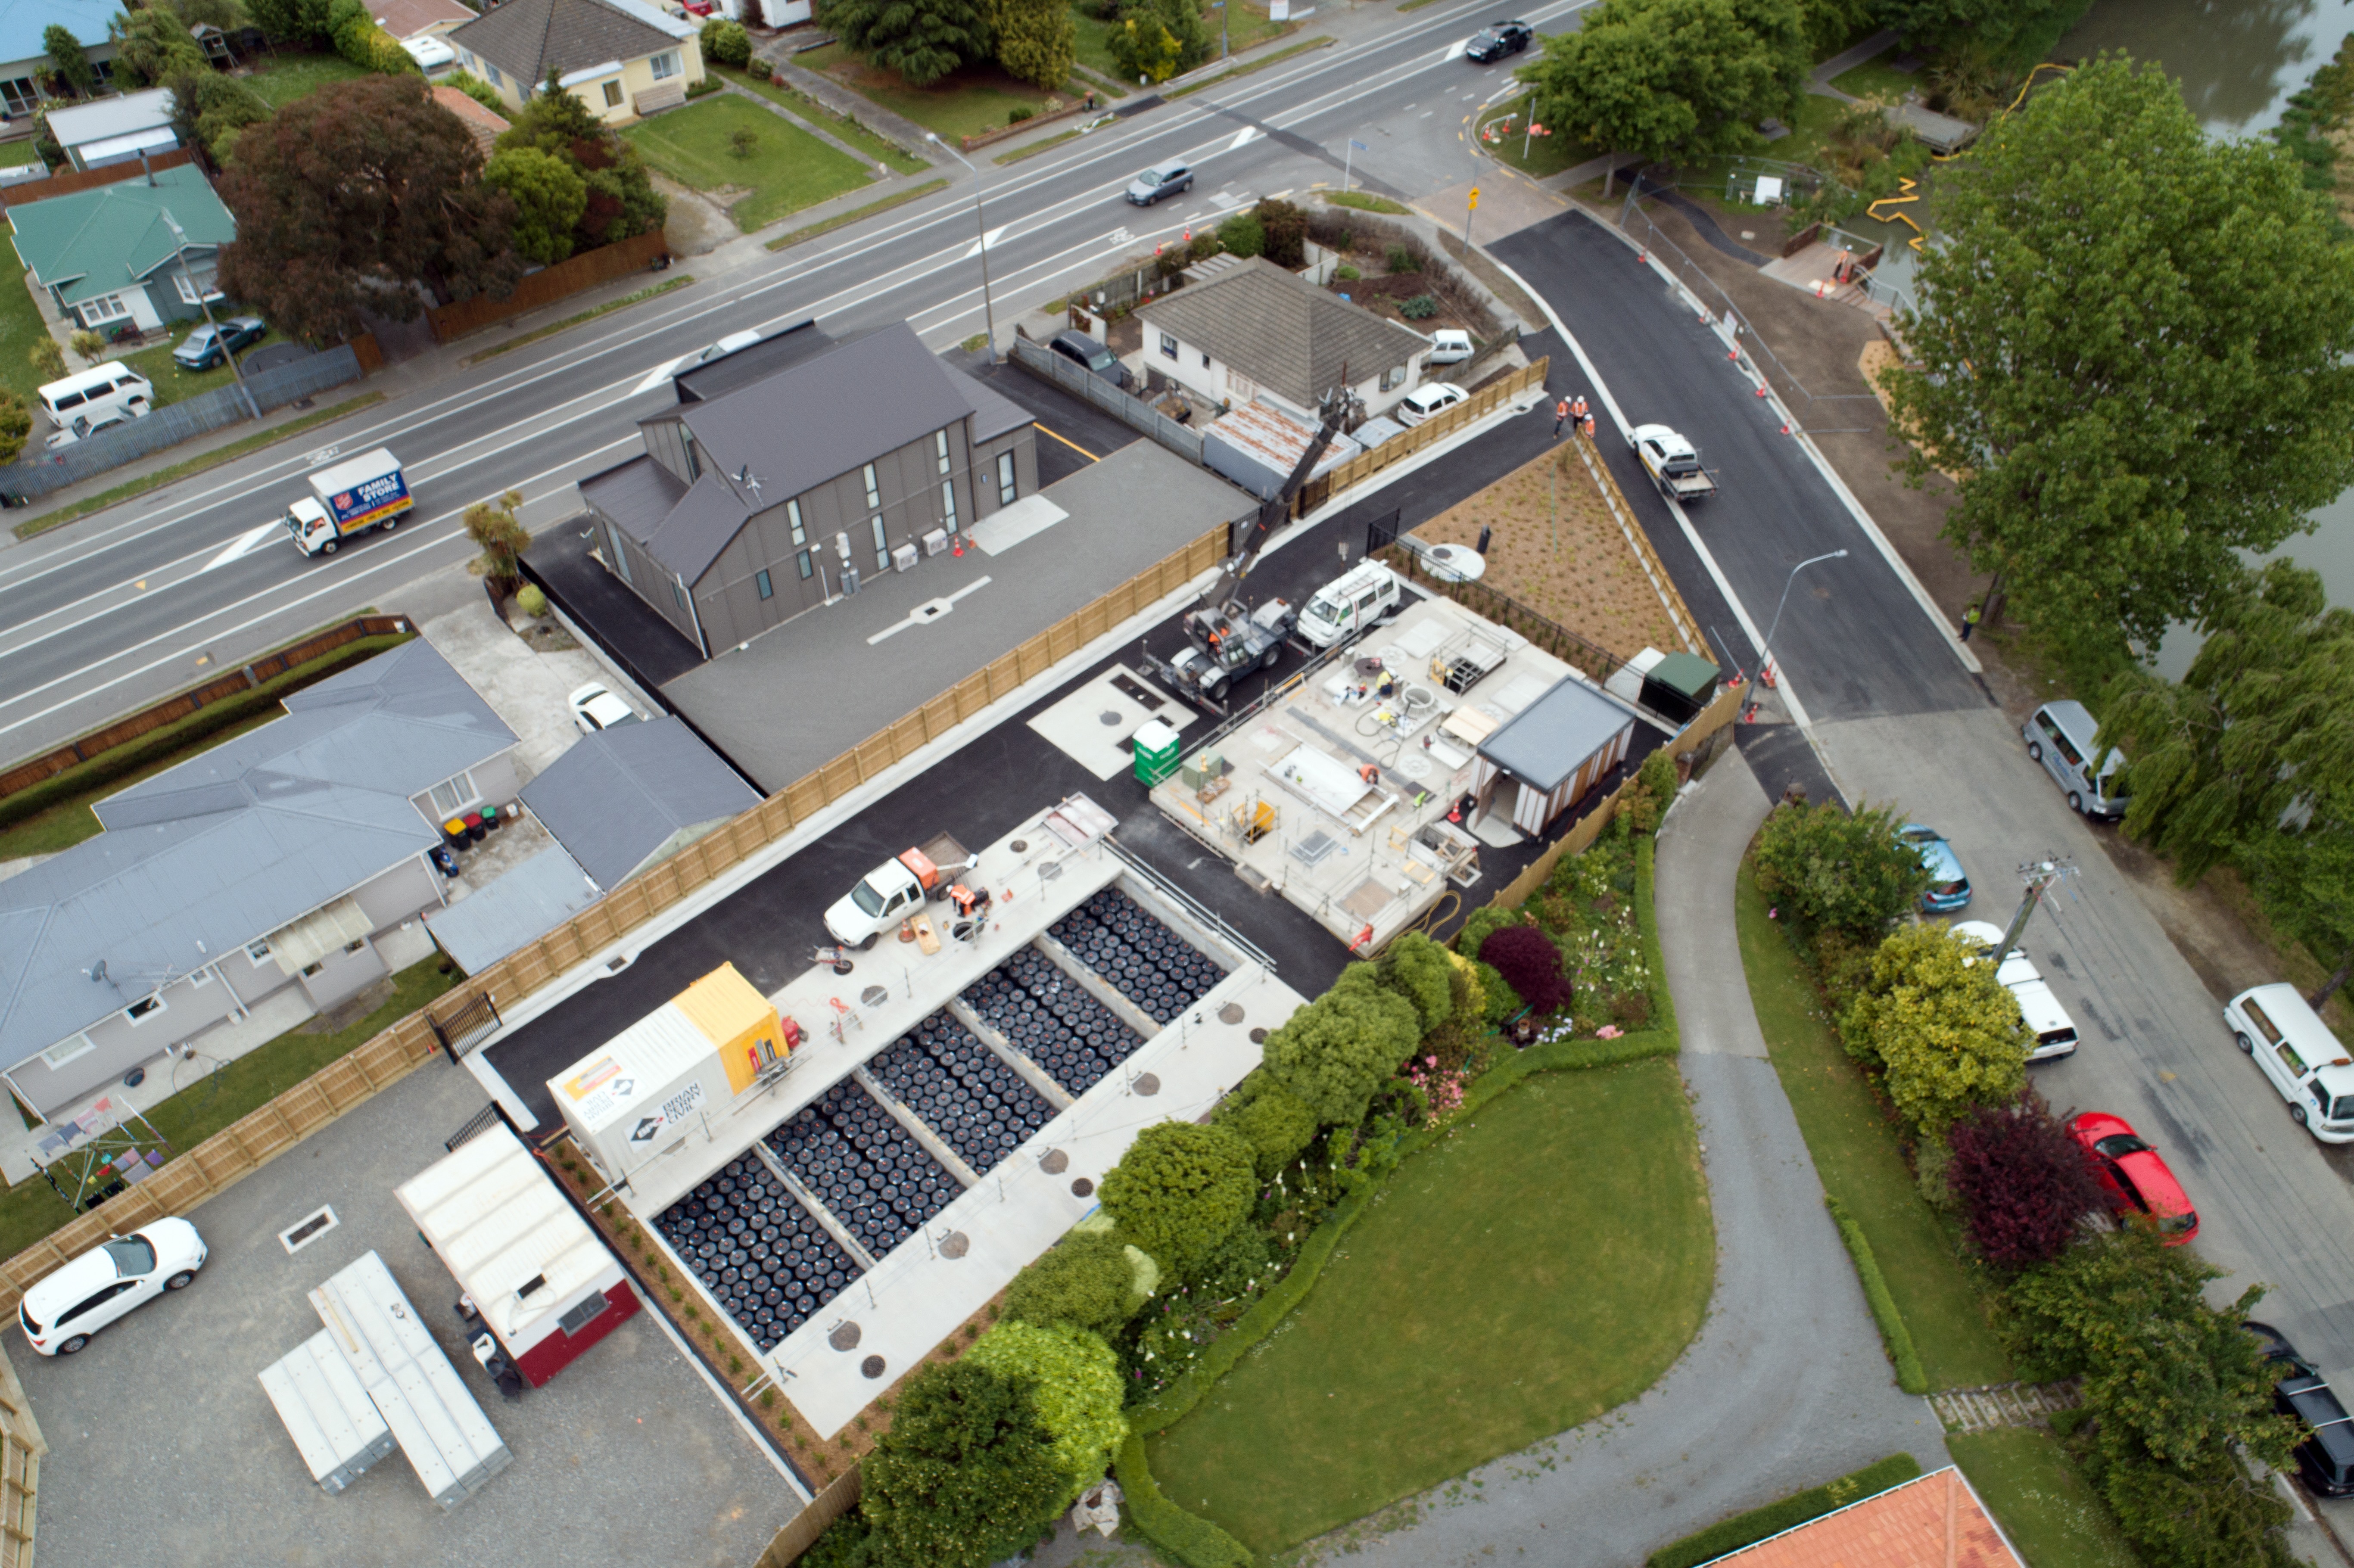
<point>1381,533</point>
<point>467,1026</point>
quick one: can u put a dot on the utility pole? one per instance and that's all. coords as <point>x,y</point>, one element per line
<point>988,310</point>
<point>180,248</point>
<point>2039,877</point>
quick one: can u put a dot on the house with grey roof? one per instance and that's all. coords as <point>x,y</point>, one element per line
<point>1250,332</point>
<point>115,130</point>
<point>109,256</point>
<point>279,861</point>
<point>625,800</point>
<point>793,468</point>
<point>623,58</point>
<point>1550,755</point>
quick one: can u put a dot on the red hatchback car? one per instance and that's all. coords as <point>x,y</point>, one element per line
<point>2136,1180</point>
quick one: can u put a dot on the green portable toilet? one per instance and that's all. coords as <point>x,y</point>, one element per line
<point>1157,747</point>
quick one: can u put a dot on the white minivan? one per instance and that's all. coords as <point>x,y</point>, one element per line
<point>2058,734</point>
<point>1365,593</point>
<point>102,389</point>
<point>2299,1054</point>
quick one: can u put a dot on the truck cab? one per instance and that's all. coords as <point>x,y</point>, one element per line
<point>895,890</point>
<point>1365,593</point>
<point>1672,463</point>
<point>314,531</point>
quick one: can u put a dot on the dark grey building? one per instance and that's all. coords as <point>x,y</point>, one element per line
<point>795,466</point>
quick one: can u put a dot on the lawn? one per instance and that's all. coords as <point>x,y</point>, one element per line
<point>809,110</point>
<point>2042,1503</point>
<point>977,98</point>
<point>1878,79</point>
<point>786,170</point>
<point>18,153</point>
<point>172,384</point>
<point>1546,155</point>
<point>30,1210</point>
<point>1855,1153</point>
<point>289,76</point>
<point>1545,1263</point>
<point>20,329</point>
<point>1095,45</point>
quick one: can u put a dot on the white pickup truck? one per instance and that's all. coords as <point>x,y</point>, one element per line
<point>894,890</point>
<point>1672,462</point>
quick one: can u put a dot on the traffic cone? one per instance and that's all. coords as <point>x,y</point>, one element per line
<point>1786,426</point>
<point>1766,675</point>
<point>1733,355</point>
<point>1761,389</point>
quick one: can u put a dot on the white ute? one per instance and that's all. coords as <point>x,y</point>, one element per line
<point>1672,463</point>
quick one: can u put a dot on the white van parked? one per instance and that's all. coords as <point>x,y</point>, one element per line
<point>2054,1031</point>
<point>2299,1054</point>
<point>2058,734</point>
<point>102,389</point>
<point>1365,593</point>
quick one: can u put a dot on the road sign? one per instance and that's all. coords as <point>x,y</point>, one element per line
<point>1475,198</point>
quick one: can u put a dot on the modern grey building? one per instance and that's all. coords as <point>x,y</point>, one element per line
<point>277,859</point>
<point>797,466</point>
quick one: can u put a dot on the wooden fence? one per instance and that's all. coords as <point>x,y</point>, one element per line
<point>1638,540</point>
<point>172,709</point>
<point>252,1140</point>
<point>1397,449</point>
<point>21,1448</point>
<point>801,1531</point>
<point>548,285</point>
<point>74,180</point>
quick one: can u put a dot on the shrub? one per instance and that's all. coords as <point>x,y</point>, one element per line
<point>2023,1183</point>
<point>1911,1376</point>
<point>48,360</point>
<point>1486,918</point>
<point>1837,869</point>
<point>87,343</point>
<point>1344,273</point>
<point>1018,113</point>
<point>1336,1051</point>
<point>1531,965</point>
<point>761,70</point>
<point>1286,229</point>
<point>967,1473</point>
<point>1419,308</point>
<point>1943,1031</point>
<point>1085,1281</point>
<point>1401,260</point>
<point>1646,797</point>
<point>481,91</point>
<point>726,43</point>
<point>530,601</point>
<point>1243,234</point>
<point>743,141</point>
<point>1074,1381</point>
<point>1179,1188</point>
<point>1417,969</point>
<point>1273,1121</point>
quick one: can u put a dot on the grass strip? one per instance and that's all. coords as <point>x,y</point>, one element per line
<point>841,127</point>
<point>843,219</point>
<point>213,459</point>
<point>1364,203</point>
<point>624,302</point>
<point>1414,5</point>
<point>1893,1332</point>
<point>2049,1510</point>
<point>1260,64</point>
<point>1035,148</point>
<point>1748,1529</point>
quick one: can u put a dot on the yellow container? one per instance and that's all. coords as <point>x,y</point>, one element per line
<point>738,1021</point>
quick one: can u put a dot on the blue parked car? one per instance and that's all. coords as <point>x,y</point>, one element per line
<point>1949,887</point>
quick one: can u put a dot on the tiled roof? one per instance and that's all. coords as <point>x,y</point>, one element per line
<point>1281,331</point>
<point>525,37</point>
<point>1936,1521</point>
<point>485,127</point>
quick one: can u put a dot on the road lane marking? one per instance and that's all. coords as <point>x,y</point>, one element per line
<point>242,545</point>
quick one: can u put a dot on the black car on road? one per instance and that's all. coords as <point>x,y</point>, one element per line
<point>1499,39</point>
<point>2326,1458</point>
<point>211,345</point>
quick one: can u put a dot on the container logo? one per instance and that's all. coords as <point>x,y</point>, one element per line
<point>672,1110</point>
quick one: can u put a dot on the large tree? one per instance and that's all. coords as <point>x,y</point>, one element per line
<point>151,43</point>
<point>1180,1189</point>
<point>362,198</point>
<point>549,196</point>
<point>1036,40</point>
<point>65,52</point>
<point>923,40</point>
<point>2134,341</point>
<point>620,201</point>
<point>2262,717</point>
<point>2020,30</point>
<point>1940,1026</point>
<point>967,1474</point>
<point>1674,78</point>
<point>2305,880</point>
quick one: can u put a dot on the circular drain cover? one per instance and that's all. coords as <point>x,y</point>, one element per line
<point>955,1244</point>
<point>1147,1084</point>
<point>1083,1187</point>
<point>1231,1014</point>
<point>1414,767</point>
<point>1018,845</point>
<point>874,996</point>
<point>1258,1036</point>
<point>845,1337</point>
<point>1053,1162</point>
<point>1108,720</point>
<point>871,1367</point>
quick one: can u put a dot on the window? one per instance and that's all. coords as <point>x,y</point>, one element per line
<point>58,1056</point>
<point>145,1007</point>
<point>693,458</point>
<point>666,66</point>
<point>873,495</point>
<point>948,504</point>
<point>466,57</point>
<point>1206,362</point>
<point>491,71</point>
<point>802,561</point>
<point>1168,346</point>
<point>105,308</point>
<point>257,952</point>
<point>1005,483</point>
<point>612,95</point>
<point>199,978</point>
<point>20,95</point>
<point>2291,1060</point>
<point>1393,380</point>
<point>2262,1020</point>
<point>793,516</point>
<point>760,581</point>
<point>677,594</point>
<point>621,557</point>
<point>353,947</point>
<point>881,546</point>
<point>940,446</point>
<point>449,799</point>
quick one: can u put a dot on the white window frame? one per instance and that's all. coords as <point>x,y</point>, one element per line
<point>461,790</point>
<point>200,978</point>
<point>1169,346</point>
<point>948,502</point>
<point>874,493</point>
<point>146,1008</point>
<point>1009,478</point>
<point>491,71</point>
<point>664,64</point>
<point>104,308</point>
<point>257,952</point>
<point>78,1047</point>
<point>940,445</point>
<point>612,94</point>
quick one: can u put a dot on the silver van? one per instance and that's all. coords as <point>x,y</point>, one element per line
<point>2058,734</point>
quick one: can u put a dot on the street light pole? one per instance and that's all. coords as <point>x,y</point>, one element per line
<point>1765,651</point>
<point>988,310</point>
<point>180,248</point>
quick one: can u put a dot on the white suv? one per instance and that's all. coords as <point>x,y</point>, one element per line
<point>61,1312</point>
<point>2054,1032</point>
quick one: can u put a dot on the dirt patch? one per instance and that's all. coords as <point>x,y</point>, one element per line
<point>697,223</point>
<point>1554,548</point>
<point>1877,360</point>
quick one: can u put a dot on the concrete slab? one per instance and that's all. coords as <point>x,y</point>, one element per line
<point>526,689</point>
<point>1093,724</point>
<point>801,695</point>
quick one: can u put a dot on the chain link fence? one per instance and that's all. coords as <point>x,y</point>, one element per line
<point>38,472</point>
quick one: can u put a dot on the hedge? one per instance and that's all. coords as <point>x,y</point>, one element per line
<point>1911,1376</point>
<point>182,734</point>
<point>1194,1541</point>
<point>1749,1528</point>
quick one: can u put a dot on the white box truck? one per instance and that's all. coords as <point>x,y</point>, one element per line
<point>348,498</point>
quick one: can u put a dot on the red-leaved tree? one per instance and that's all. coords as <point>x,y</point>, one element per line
<point>2022,1182</point>
<point>1530,964</point>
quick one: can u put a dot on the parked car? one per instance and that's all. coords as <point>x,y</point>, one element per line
<point>2324,1460</point>
<point>1430,398</point>
<point>1167,180</point>
<point>1449,345</point>
<point>2054,1031</point>
<point>595,708</point>
<point>1498,39</point>
<point>211,345</point>
<point>2058,734</point>
<point>429,53</point>
<point>1949,887</point>
<point>84,425</point>
<point>60,1313</point>
<point>2298,1053</point>
<point>2133,1176</point>
<point>1085,352</point>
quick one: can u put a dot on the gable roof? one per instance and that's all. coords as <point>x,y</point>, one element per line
<point>524,38</point>
<point>1281,331</point>
<point>94,242</point>
<point>22,22</point>
<point>236,842</point>
<point>1550,738</point>
<point>480,123</point>
<point>102,118</point>
<point>616,798</point>
<point>1934,1522</point>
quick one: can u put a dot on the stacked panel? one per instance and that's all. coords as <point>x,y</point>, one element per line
<point>1137,956</point>
<point>867,1170</point>
<point>763,1256</point>
<point>962,1090</point>
<point>1047,1016</point>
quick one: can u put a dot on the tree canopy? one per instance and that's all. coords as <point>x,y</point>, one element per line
<point>967,1473</point>
<point>1087,1280</point>
<point>2134,341</point>
<point>2022,1182</point>
<point>1179,1188</point>
<point>2004,29</point>
<point>66,53</point>
<point>1336,1051</point>
<point>1850,872</point>
<point>153,42</point>
<point>1073,1384</point>
<point>1036,40</point>
<point>923,40</point>
<point>549,196</point>
<point>2305,880</point>
<point>1943,1030</point>
<point>621,202</point>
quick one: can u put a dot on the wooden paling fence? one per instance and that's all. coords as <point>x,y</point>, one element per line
<point>548,285</point>
<point>800,1531</point>
<point>1437,428</point>
<point>253,1140</point>
<point>21,1448</point>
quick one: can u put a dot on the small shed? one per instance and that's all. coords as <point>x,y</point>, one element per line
<point>545,1285</point>
<point>514,911</point>
<point>1257,448</point>
<point>630,797</point>
<point>1550,754</point>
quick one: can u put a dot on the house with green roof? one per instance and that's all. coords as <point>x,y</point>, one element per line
<point>109,257</point>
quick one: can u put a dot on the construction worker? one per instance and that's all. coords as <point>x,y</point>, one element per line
<point>1589,427</point>
<point>1970,619</point>
<point>1577,412</point>
<point>1559,417</point>
<point>967,901</point>
<point>1370,774</point>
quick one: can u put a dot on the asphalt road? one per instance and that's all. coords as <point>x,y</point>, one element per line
<point>133,603</point>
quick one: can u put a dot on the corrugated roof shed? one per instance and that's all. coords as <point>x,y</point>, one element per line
<point>622,796</point>
<point>1550,738</point>
<point>1282,331</point>
<point>522,907</point>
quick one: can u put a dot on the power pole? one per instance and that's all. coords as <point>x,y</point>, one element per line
<point>2038,877</point>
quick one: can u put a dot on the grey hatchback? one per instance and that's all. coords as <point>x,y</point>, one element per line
<point>1166,180</point>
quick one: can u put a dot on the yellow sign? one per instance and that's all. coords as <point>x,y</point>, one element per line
<point>1475,198</point>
